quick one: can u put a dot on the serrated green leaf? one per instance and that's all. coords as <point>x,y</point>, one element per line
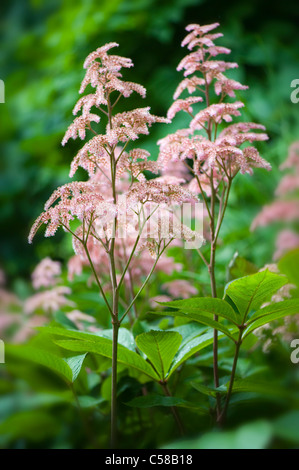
<point>271,313</point>
<point>204,306</point>
<point>160,347</point>
<point>192,347</point>
<point>68,368</point>
<point>290,306</point>
<point>75,364</point>
<point>204,319</point>
<point>250,292</point>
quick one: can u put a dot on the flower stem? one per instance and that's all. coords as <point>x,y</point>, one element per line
<point>174,410</point>
<point>115,326</point>
<point>222,416</point>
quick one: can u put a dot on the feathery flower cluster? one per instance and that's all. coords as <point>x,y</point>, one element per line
<point>211,154</point>
<point>49,300</point>
<point>117,198</point>
<point>180,288</point>
<point>46,273</point>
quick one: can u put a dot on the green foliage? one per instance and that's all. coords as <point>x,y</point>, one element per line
<point>60,380</point>
<point>89,343</point>
<point>256,435</point>
<point>250,292</point>
<point>66,367</point>
<point>160,347</point>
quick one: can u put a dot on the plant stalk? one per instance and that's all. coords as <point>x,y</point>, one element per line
<point>222,416</point>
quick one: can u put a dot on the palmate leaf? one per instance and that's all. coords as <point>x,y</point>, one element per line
<point>160,347</point>
<point>272,312</point>
<point>205,306</point>
<point>204,319</point>
<point>250,292</point>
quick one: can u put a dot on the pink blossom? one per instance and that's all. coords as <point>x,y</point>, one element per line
<point>78,127</point>
<point>287,240</point>
<point>48,300</point>
<point>292,160</point>
<point>100,53</point>
<point>287,184</point>
<point>191,84</point>
<point>216,112</point>
<point>74,267</point>
<point>286,211</point>
<point>78,317</point>
<point>45,274</point>
<point>153,301</point>
<point>180,288</point>
<point>227,86</point>
<point>182,105</point>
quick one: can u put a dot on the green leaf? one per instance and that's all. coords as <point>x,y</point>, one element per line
<point>86,401</point>
<point>75,364</point>
<point>160,347</point>
<point>68,368</point>
<point>192,347</point>
<point>272,312</point>
<point>254,386</point>
<point>151,400</point>
<point>204,319</point>
<point>103,347</point>
<point>250,292</point>
<point>211,392</point>
<point>290,306</point>
<point>205,306</point>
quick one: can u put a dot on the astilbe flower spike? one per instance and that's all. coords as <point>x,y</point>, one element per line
<point>212,148</point>
<point>115,207</point>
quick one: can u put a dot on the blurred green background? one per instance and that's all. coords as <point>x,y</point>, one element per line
<point>43,48</point>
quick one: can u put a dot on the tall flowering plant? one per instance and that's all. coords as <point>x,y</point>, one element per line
<point>211,148</point>
<point>117,214</point>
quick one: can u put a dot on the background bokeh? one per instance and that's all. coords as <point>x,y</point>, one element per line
<point>43,48</point>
